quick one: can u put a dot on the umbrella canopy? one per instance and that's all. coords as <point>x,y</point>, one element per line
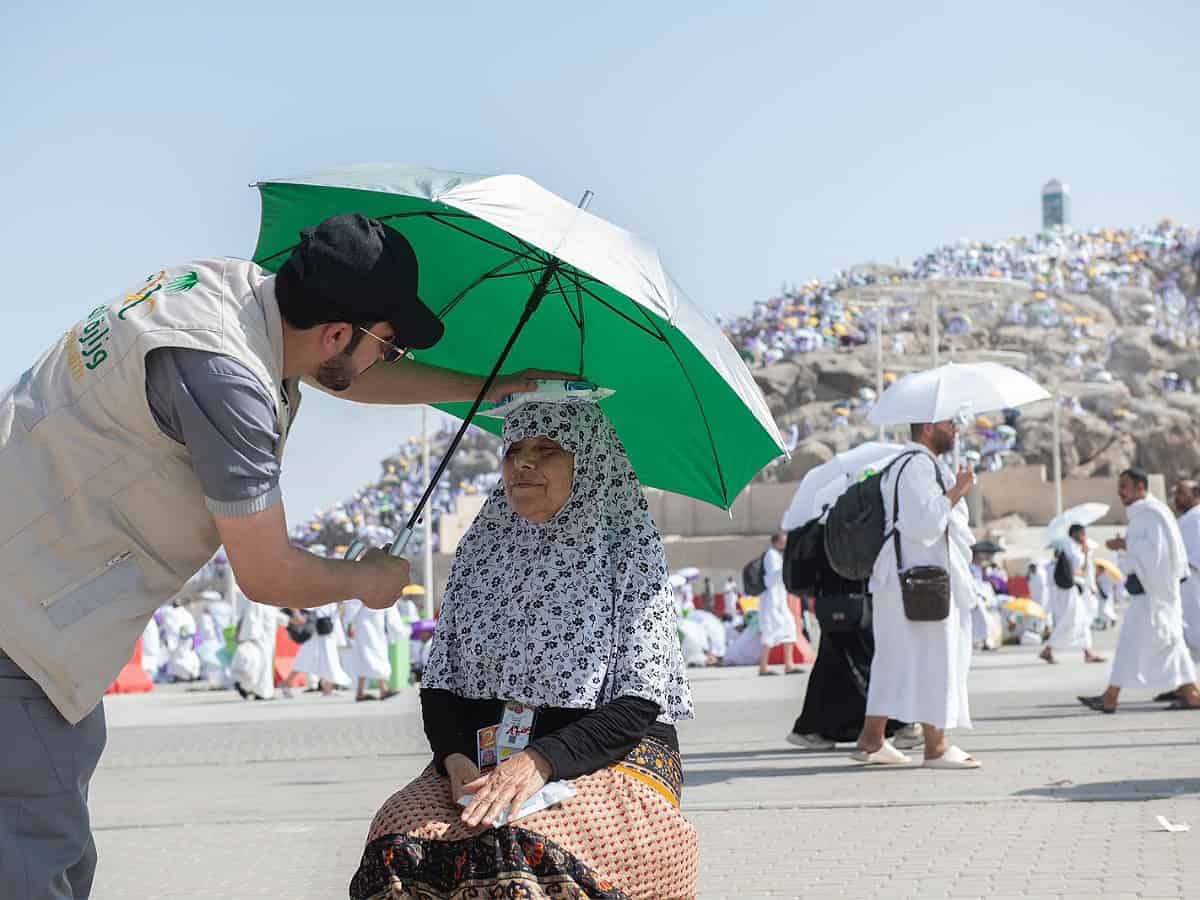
<point>1025,607</point>
<point>987,548</point>
<point>1106,565</point>
<point>686,407</point>
<point>950,391</point>
<point>822,485</point>
<point>1083,514</point>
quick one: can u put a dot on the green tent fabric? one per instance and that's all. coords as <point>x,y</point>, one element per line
<point>686,407</point>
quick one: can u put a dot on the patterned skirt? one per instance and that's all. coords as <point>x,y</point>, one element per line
<point>621,836</point>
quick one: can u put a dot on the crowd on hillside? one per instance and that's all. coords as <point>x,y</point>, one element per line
<point>1099,262</point>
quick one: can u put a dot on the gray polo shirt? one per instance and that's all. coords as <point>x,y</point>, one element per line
<point>221,412</point>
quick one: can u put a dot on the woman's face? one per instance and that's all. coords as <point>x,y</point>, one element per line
<point>538,474</point>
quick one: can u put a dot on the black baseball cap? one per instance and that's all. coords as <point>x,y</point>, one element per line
<point>352,268</point>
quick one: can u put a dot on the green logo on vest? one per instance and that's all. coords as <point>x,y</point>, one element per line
<point>154,284</point>
<point>183,283</point>
<point>85,344</point>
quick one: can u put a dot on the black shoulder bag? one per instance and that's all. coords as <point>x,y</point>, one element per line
<point>843,612</point>
<point>925,590</point>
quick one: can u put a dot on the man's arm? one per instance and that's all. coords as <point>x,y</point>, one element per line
<point>269,569</point>
<point>407,382</point>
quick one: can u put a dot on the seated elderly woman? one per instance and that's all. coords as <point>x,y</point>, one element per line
<point>558,601</point>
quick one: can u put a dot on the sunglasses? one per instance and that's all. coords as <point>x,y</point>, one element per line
<point>392,353</point>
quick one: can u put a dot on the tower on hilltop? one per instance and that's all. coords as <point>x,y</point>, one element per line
<point>1056,204</point>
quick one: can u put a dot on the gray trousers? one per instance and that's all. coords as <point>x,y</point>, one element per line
<point>46,846</point>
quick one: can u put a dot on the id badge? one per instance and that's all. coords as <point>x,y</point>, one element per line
<point>485,748</point>
<point>516,728</point>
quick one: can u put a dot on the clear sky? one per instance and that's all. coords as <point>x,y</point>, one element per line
<point>754,143</point>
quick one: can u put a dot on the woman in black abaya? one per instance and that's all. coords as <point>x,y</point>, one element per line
<point>835,702</point>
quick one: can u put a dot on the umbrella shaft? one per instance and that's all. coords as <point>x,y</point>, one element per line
<point>531,306</point>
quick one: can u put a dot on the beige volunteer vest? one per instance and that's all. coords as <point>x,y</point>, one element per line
<point>101,517</point>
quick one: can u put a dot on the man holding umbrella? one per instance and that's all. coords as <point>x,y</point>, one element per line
<point>923,648</point>
<point>919,673</point>
<point>151,433</point>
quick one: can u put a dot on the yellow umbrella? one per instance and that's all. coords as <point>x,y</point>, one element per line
<point>413,590</point>
<point>1105,565</point>
<point>983,422</point>
<point>748,604</point>
<point>1026,607</point>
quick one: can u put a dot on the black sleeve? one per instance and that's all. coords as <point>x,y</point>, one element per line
<point>443,719</point>
<point>603,736</point>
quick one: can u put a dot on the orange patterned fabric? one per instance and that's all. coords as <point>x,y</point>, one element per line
<point>618,837</point>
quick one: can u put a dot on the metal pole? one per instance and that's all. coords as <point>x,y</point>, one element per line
<point>933,328</point>
<point>428,603</point>
<point>879,359</point>
<point>1058,498</point>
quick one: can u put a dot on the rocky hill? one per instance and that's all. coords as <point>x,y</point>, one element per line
<point>1110,321</point>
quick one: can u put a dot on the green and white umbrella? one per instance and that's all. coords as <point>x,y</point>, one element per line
<point>524,279</point>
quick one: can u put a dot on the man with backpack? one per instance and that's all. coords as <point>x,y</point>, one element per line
<point>922,591</point>
<point>1073,596</point>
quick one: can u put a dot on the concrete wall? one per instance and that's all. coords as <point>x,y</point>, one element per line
<point>757,510</point>
<point>1025,491</point>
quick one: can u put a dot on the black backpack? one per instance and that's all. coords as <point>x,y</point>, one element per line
<point>1063,576</point>
<point>754,580</point>
<point>301,633</point>
<point>855,529</point>
<point>802,557</point>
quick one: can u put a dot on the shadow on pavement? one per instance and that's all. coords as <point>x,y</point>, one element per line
<point>1140,789</point>
<point>693,779</point>
<point>1072,711</point>
<point>718,755</point>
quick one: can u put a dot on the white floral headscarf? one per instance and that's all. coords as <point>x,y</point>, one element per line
<point>574,612</point>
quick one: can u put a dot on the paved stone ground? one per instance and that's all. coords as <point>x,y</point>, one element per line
<point>201,795</point>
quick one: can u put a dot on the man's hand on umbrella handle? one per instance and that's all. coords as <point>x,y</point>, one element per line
<point>523,382</point>
<point>389,576</point>
<point>963,482</point>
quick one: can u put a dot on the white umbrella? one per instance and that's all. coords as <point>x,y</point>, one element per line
<point>953,390</point>
<point>1084,514</point>
<point>822,485</point>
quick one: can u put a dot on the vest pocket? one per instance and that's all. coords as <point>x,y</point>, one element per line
<point>118,577</point>
<point>31,407</point>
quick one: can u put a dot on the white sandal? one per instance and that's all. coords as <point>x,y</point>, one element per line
<point>953,758</point>
<point>887,755</point>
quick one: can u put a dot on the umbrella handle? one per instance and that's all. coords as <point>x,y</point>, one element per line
<point>358,549</point>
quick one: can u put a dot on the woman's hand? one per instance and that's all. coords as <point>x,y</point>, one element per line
<point>507,786</point>
<point>462,772</point>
